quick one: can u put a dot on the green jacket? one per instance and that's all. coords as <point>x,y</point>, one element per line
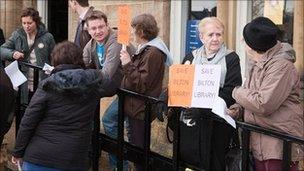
<point>18,42</point>
<point>43,46</point>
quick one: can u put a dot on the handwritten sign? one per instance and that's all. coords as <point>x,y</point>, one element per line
<point>273,9</point>
<point>180,85</point>
<point>124,22</point>
<point>193,85</point>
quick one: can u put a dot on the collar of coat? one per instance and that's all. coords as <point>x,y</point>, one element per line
<point>62,67</point>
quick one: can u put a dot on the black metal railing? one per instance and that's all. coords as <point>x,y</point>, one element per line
<point>287,141</point>
<point>144,156</point>
<point>20,107</point>
<point>127,151</point>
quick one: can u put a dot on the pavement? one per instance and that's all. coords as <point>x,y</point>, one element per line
<point>159,143</point>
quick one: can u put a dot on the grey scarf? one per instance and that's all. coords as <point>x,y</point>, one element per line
<point>159,44</point>
<point>219,59</point>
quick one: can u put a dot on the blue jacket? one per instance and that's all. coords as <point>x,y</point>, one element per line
<point>55,130</point>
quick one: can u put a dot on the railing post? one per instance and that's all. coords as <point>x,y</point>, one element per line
<point>120,136</point>
<point>36,78</point>
<point>176,144</point>
<point>245,149</point>
<point>207,126</point>
<point>286,155</point>
<point>95,139</point>
<point>18,112</point>
<point>147,134</point>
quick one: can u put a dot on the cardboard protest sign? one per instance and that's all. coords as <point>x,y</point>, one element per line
<point>193,85</point>
<point>124,15</point>
<point>180,85</point>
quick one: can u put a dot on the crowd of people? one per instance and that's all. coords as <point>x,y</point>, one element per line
<point>55,131</point>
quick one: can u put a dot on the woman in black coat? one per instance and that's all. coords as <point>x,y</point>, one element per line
<point>7,99</point>
<point>55,130</point>
<point>202,131</point>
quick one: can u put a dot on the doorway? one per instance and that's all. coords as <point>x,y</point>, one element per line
<point>58,19</point>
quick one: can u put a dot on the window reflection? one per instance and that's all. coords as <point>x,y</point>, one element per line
<point>286,29</point>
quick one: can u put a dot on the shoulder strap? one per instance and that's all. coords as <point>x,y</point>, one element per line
<point>32,47</point>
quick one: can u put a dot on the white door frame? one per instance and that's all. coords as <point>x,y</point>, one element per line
<point>178,24</point>
<point>42,8</point>
<point>243,15</point>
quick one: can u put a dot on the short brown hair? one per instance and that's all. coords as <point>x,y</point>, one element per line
<point>31,12</point>
<point>95,15</point>
<point>145,25</point>
<point>83,3</point>
<point>67,53</point>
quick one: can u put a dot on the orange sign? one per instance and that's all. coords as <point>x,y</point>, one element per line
<point>124,15</point>
<point>193,85</point>
<point>180,85</point>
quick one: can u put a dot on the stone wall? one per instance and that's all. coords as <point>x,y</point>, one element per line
<point>160,9</point>
<point>10,11</point>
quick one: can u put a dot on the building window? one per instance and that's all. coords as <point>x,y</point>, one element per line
<point>202,9</point>
<point>286,25</point>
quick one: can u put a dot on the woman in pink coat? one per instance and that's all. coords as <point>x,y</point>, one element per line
<point>270,95</point>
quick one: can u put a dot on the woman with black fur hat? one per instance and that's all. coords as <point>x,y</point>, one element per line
<point>270,95</point>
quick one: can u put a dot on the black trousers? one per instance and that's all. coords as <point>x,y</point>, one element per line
<point>206,144</point>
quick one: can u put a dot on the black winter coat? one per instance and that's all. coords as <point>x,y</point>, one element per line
<point>7,99</point>
<point>211,134</point>
<point>55,130</point>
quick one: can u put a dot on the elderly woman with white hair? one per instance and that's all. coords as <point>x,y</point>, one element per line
<point>203,132</point>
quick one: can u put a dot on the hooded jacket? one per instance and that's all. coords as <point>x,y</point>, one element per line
<point>144,74</point>
<point>44,44</point>
<point>55,130</point>
<point>18,42</point>
<point>270,97</point>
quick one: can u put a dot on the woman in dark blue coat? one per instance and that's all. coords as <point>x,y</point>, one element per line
<point>55,131</point>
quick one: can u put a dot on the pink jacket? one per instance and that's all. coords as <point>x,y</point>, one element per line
<point>270,97</point>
